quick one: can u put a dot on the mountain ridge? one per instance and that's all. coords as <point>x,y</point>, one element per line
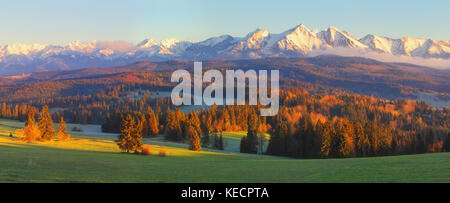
<point>21,58</point>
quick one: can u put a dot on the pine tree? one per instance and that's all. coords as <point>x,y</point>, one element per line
<point>446,146</point>
<point>61,130</point>
<point>130,138</point>
<point>153,125</point>
<point>31,130</point>
<point>141,122</point>
<point>194,139</point>
<point>30,117</point>
<point>174,128</point>
<point>221,146</point>
<point>251,140</point>
<point>194,121</point>
<point>419,144</point>
<point>216,140</point>
<point>136,141</point>
<point>206,127</point>
<point>429,140</point>
<point>46,124</point>
<point>243,145</point>
<point>279,133</point>
<point>361,141</point>
<point>327,139</point>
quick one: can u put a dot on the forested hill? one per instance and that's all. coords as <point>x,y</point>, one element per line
<point>322,74</point>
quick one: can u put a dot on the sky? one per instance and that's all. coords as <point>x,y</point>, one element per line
<point>60,22</point>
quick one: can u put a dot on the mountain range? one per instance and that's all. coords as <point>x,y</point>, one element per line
<point>21,58</point>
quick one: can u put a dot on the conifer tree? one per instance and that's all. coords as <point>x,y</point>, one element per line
<point>31,129</point>
<point>61,130</point>
<point>153,125</point>
<point>46,124</point>
<point>206,128</point>
<point>251,140</point>
<point>419,144</point>
<point>194,139</point>
<point>327,139</point>
<point>278,135</point>
<point>130,138</point>
<point>221,146</point>
<point>194,121</point>
<point>141,123</point>
<point>429,140</point>
<point>193,131</point>
<point>446,146</point>
<point>30,116</point>
<point>173,128</point>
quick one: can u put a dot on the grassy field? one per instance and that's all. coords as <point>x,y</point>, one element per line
<point>92,156</point>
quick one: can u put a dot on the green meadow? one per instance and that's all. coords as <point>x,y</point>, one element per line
<point>92,156</point>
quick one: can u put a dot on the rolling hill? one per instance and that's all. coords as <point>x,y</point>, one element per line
<point>321,74</point>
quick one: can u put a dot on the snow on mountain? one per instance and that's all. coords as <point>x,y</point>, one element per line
<point>22,49</point>
<point>213,41</point>
<point>298,41</point>
<point>250,46</point>
<point>147,43</point>
<point>408,46</point>
<point>382,44</point>
<point>338,38</point>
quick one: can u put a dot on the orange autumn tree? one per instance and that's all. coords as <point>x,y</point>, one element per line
<point>61,130</point>
<point>31,129</point>
<point>130,138</point>
<point>46,124</point>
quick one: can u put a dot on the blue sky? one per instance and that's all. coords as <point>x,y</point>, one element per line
<point>60,22</point>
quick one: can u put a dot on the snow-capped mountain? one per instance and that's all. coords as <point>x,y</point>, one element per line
<point>299,41</point>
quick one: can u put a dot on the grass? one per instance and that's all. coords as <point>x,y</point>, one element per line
<point>94,157</point>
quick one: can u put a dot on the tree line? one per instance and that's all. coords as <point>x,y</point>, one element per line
<point>354,126</point>
<point>339,125</point>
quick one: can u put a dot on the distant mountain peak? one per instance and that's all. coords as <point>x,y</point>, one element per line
<point>146,43</point>
<point>297,41</point>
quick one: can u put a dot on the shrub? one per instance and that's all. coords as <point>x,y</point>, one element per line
<point>32,133</point>
<point>63,136</point>
<point>77,129</point>
<point>162,152</point>
<point>146,150</point>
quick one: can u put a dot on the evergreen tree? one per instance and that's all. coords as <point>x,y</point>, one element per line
<point>31,129</point>
<point>61,130</point>
<point>328,132</point>
<point>194,121</point>
<point>243,145</point>
<point>46,124</point>
<point>194,139</point>
<point>141,122</point>
<point>221,146</point>
<point>429,140</point>
<point>30,117</point>
<point>174,130</point>
<point>251,140</point>
<point>206,128</point>
<point>361,141</point>
<point>446,146</point>
<point>153,125</point>
<point>130,138</point>
<point>279,133</point>
<point>419,144</point>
